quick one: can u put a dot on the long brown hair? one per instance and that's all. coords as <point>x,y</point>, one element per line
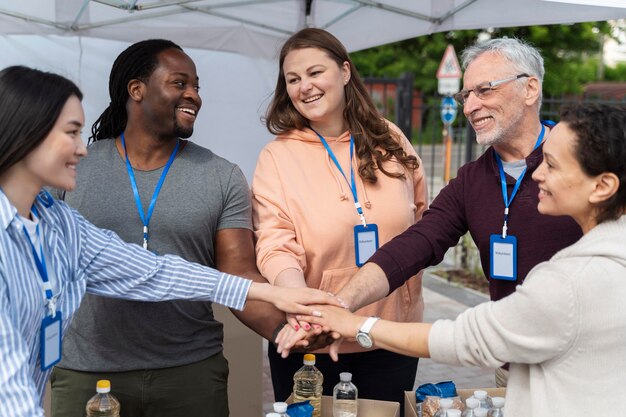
<point>375,143</point>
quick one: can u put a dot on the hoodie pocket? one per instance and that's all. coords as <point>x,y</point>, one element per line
<point>333,280</point>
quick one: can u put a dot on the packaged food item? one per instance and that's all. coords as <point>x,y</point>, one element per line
<point>432,404</point>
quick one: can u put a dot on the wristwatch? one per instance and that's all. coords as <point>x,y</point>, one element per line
<point>363,335</point>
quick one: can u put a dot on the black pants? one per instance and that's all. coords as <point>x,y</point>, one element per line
<point>378,374</point>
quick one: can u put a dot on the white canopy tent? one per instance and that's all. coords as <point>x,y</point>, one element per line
<point>258,27</point>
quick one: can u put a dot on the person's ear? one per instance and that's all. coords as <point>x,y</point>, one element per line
<point>345,71</point>
<point>136,89</point>
<point>606,186</point>
<point>533,90</point>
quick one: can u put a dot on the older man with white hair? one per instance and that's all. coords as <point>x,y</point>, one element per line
<point>492,198</point>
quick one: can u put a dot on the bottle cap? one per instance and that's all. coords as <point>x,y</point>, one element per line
<point>498,402</point>
<point>480,394</point>
<point>472,402</point>
<point>345,377</point>
<point>445,402</point>
<point>272,415</point>
<point>103,386</point>
<point>280,407</point>
<point>309,359</point>
<point>453,412</point>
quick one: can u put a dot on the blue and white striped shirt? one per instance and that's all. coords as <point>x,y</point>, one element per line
<point>84,259</point>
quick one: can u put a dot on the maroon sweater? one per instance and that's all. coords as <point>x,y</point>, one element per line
<point>473,202</point>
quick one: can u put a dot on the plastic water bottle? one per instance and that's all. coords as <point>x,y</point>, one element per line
<point>280,409</point>
<point>345,397</point>
<point>497,409</point>
<point>273,415</point>
<point>307,384</point>
<point>444,405</point>
<point>480,412</point>
<point>484,399</point>
<point>103,404</point>
<point>470,405</point>
<point>453,412</point>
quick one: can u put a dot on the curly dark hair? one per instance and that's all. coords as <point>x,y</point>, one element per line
<point>375,142</point>
<point>601,147</point>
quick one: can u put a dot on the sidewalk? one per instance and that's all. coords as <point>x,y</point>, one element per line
<point>443,301</point>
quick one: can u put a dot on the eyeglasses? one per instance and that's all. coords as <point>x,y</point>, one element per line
<point>483,90</point>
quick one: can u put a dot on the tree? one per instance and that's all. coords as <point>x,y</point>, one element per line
<point>571,54</point>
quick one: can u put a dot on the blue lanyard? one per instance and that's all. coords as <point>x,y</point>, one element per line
<point>40,263</point>
<point>145,219</point>
<point>507,200</point>
<point>352,183</point>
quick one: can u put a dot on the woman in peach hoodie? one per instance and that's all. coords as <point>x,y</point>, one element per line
<point>337,182</point>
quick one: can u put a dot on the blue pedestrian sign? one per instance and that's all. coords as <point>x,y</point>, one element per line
<point>448,110</point>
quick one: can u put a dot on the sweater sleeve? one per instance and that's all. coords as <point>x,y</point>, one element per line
<point>536,323</point>
<point>277,248</point>
<point>426,242</point>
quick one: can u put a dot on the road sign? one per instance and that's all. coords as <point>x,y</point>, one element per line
<point>449,73</point>
<point>449,66</point>
<point>448,110</point>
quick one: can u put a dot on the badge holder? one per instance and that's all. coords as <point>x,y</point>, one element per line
<point>365,242</point>
<point>50,341</point>
<point>503,259</point>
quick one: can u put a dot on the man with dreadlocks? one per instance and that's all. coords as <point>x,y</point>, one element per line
<point>143,180</point>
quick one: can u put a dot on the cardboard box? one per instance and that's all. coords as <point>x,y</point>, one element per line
<point>410,406</point>
<point>367,408</point>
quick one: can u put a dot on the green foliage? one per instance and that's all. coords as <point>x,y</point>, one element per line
<point>571,54</point>
<point>616,73</point>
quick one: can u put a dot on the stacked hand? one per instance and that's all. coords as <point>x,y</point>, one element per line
<point>332,323</point>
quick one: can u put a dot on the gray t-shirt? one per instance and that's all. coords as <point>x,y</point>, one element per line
<point>202,194</point>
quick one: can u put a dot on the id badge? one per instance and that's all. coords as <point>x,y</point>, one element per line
<point>503,253</point>
<point>365,242</point>
<point>50,341</point>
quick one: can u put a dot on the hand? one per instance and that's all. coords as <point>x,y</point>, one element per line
<point>336,319</point>
<point>289,340</point>
<point>293,300</point>
<point>340,321</point>
<point>297,300</point>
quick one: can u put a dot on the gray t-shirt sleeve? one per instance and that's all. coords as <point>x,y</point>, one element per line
<point>236,213</point>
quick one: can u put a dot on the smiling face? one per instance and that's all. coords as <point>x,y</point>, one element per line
<point>170,100</point>
<point>53,162</point>
<point>564,189</point>
<point>315,85</point>
<point>500,115</point>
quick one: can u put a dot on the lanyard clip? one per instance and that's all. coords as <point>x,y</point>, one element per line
<point>52,307</point>
<point>506,219</point>
<point>363,222</point>
<point>145,237</point>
